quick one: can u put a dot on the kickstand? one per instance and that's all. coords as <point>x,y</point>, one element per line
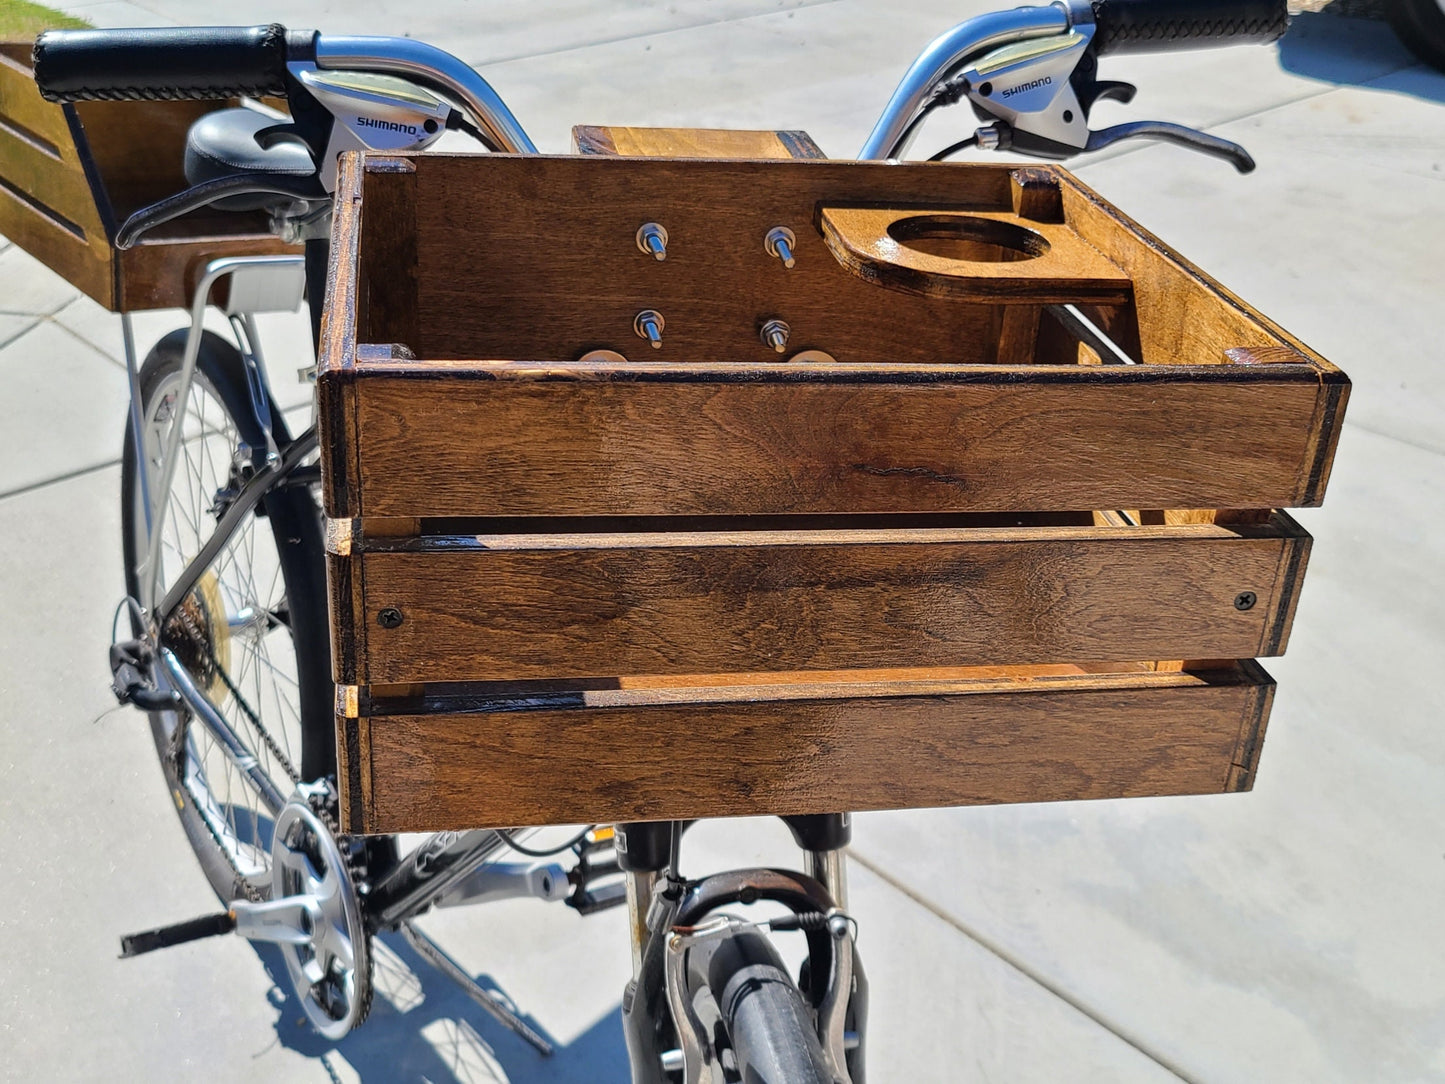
<point>494,1003</point>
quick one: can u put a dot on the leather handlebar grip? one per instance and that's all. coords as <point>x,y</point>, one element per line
<point>1151,26</point>
<point>168,62</point>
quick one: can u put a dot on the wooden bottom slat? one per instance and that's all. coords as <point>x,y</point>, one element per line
<point>710,753</point>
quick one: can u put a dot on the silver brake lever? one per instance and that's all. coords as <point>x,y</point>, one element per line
<point>1173,133</point>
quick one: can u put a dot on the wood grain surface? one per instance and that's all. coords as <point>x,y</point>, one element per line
<point>69,175</point>
<point>500,439</point>
<point>982,257</point>
<point>1056,739</point>
<point>692,142</point>
<point>576,606</point>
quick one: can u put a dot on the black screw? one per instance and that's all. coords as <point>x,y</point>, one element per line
<point>1068,116</point>
<point>390,617</point>
<point>986,89</point>
<point>430,126</point>
<point>1245,600</point>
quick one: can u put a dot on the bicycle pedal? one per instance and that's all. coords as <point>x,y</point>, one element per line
<point>137,944</point>
<point>596,879</point>
<point>586,901</point>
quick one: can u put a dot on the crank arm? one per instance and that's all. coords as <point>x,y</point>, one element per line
<point>283,921</point>
<point>1195,140</point>
<point>290,920</point>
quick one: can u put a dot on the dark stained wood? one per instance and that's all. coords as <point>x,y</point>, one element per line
<point>735,584</point>
<point>506,607</point>
<point>694,753</point>
<point>388,297</point>
<point>536,259</point>
<point>336,354</point>
<point>1036,194</point>
<point>69,175</point>
<point>692,143</point>
<point>989,258</point>
<point>522,439</point>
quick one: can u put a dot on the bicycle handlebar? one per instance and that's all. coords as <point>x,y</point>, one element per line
<point>1146,26</point>
<point>1109,26</point>
<point>168,63</point>
<point>231,61</point>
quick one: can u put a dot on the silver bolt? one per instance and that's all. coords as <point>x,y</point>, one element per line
<point>652,239</point>
<point>775,334</point>
<point>649,324</point>
<point>780,243</point>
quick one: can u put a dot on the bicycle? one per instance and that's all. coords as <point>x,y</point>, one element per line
<point>229,650</point>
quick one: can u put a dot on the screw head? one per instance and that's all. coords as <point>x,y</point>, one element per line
<point>388,617</point>
<point>1245,600</point>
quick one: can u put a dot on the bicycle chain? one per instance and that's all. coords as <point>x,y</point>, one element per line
<point>326,809</point>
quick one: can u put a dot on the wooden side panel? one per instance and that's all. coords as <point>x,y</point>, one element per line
<point>577,607</point>
<point>692,142</point>
<point>1003,742</point>
<point>537,258</point>
<point>494,439</point>
<point>336,356</point>
<point>46,203</point>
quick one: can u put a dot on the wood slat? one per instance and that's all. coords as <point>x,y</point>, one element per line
<point>569,606</point>
<point>692,142</point>
<point>1047,739</point>
<point>499,439</point>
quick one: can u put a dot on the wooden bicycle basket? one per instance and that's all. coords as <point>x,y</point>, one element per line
<point>71,174</point>
<point>1016,471</point>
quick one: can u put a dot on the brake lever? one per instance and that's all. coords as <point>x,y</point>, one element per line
<point>1173,133</point>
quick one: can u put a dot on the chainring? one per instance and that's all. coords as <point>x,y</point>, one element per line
<point>331,971</point>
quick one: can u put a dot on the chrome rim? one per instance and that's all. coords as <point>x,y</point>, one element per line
<point>232,633</point>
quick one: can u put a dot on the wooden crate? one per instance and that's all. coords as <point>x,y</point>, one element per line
<point>958,559</point>
<point>71,174</point>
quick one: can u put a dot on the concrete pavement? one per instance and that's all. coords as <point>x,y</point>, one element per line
<point>1291,934</point>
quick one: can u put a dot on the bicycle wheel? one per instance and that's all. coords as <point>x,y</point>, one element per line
<point>768,1023</point>
<point>253,632</point>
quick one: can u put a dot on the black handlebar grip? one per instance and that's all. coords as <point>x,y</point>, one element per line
<point>168,62</point>
<point>1152,26</point>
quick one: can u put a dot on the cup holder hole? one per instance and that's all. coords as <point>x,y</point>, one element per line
<point>963,237</point>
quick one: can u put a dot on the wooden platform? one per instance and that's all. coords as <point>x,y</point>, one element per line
<point>932,553</point>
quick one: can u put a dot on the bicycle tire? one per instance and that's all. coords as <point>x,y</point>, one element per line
<point>293,519</point>
<point>1420,24</point>
<point>767,1019</point>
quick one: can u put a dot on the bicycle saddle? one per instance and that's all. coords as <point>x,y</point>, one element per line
<point>236,141</point>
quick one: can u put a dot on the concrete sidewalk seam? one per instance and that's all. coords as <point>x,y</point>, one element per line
<point>1023,968</point>
<point>79,472</point>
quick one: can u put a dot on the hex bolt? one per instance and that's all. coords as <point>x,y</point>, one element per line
<point>649,324</point>
<point>1245,600</point>
<point>388,617</point>
<point>781,243</point>
<point>775,334</point>
<point>652,239</point>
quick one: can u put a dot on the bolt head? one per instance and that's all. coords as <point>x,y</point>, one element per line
<point>1245,600</point>
<point>389,617</point>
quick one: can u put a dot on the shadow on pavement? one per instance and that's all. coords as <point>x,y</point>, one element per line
<point>1351,51</point>
<point>422,1027</point>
